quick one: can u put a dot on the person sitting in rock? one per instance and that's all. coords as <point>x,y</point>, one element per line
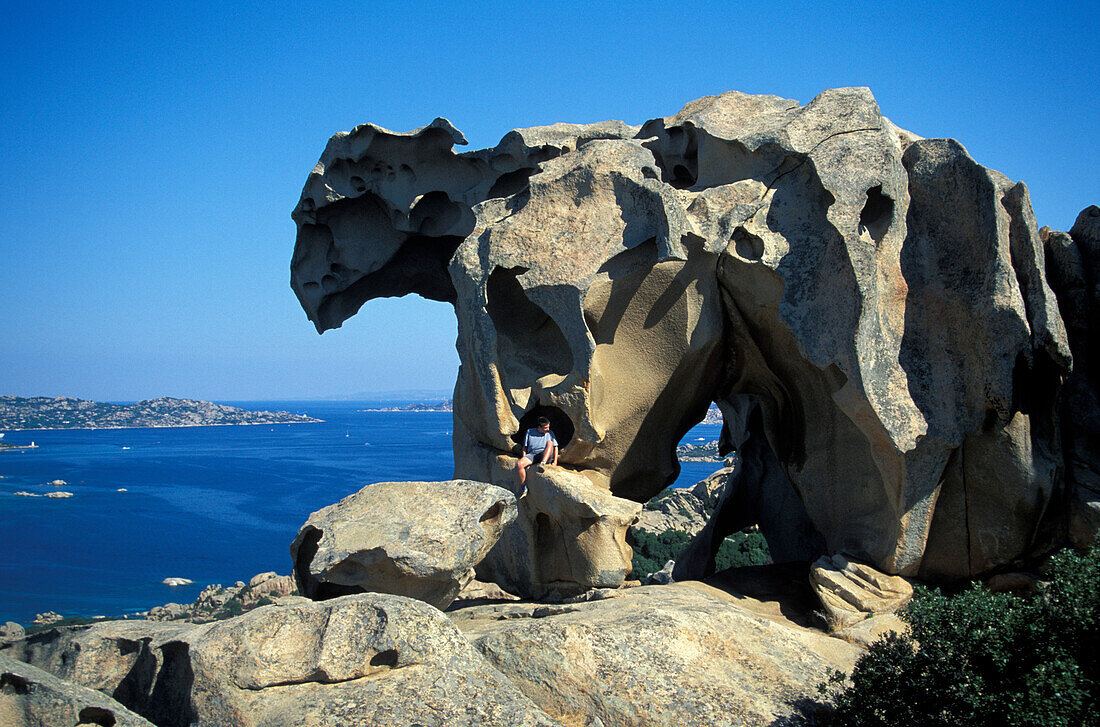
<point>539,447</point>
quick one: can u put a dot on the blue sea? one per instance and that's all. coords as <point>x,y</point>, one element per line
<point>212,504</point>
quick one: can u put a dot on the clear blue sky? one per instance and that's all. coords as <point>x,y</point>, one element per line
<point>152,152</point>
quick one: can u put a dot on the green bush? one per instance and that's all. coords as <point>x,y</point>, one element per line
<point>742,549</point>
<point>651,552</point>
<point>988,659</point>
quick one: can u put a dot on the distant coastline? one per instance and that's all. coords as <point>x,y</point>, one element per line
<point>45,413</point>
<point>445,406</point>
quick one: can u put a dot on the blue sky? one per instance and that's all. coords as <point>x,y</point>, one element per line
<point>152,152</point>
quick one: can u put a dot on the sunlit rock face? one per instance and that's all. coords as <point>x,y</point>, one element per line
<point>869,308</point>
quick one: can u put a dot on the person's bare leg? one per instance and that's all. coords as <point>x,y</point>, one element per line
<point>521,469</point>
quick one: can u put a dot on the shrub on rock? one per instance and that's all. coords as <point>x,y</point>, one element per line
<point>981,658</point>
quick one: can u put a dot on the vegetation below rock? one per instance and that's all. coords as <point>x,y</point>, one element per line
<point>981,658</point>
<point>652,551</point>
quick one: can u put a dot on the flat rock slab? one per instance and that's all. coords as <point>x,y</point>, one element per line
<point>30,697</point>
<point>682,654</point>
<point>415,539</point>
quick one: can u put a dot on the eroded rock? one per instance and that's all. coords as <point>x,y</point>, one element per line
<point>416,539</point>
<point>877,299</point>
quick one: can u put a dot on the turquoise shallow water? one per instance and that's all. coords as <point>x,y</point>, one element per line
<point>213,504</point>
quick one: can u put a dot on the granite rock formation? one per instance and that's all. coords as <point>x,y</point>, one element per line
<point>30,697</point>
<point>851,592</point>
<point>869,308</point>
<point>569,536</point>
<point>682,654</point>
<point>415,539</point>
<point>370,659</point>
<point>1073,266</point>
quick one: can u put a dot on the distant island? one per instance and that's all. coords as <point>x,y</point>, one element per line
<point>445,405</point>
<point>41,412</point>
<point>707,452</point>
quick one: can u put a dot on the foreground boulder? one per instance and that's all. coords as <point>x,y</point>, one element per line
<point>870,309</point>
<point>416,539</point>
<point>682,654</point>
<point>30,697</point>
<point>367,659</point>
<point>569,537</point>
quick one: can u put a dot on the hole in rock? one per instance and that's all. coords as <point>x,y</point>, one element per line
<point>682,178</point>
<point>358,184</point>
<point>530,344</point>
<point>676,151</point>
<point>649,173</point>
<point>96,715</point>
<point>435,215</point>
<point>511,182</point>
<point>387,658</point>
<point>560,424</point>
<point>876,214</point>
<point>492,513</point>
<point>747,245</point>
<point>544,533</point>
<point>13,683</point>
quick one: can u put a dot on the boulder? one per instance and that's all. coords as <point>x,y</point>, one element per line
<point>30,697</point>
<point>852,591</point>
<point>11,631</point>
<point>366,659</point>
<point>416,539</point>
<point>681,654</point>
<point>873,306</point>
<point>869,630</point>
<point>569,536</point>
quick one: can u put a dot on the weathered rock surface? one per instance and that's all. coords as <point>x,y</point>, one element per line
<point>569,536</point>
<point>682,654</point>
<point>851,592</point>
<point>416,539</point>
<point>1073,267</point>
<point>874,304</point>
<point>366,659</point>
<point>30,697</point>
